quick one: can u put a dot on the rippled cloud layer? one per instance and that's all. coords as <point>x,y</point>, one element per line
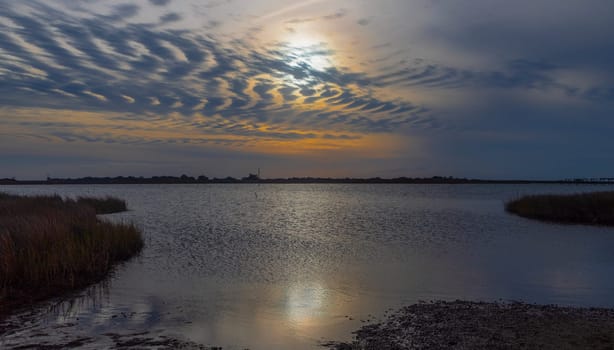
<point>153,84</point>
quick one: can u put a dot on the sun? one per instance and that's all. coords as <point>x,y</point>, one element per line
<point>308,51</point>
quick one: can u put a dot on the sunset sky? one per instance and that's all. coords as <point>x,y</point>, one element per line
<point>480,88</point>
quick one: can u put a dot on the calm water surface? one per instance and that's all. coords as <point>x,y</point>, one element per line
<point>287,266</point>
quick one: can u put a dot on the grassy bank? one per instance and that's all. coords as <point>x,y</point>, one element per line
<point>586,208</point>
<point>106,205</point>
<point>50,245</point>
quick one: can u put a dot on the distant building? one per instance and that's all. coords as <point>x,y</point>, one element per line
<point>251,177</point>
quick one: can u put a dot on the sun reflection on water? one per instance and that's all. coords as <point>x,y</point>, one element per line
<point>305,302</point>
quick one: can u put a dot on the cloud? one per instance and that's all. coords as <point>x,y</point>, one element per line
<point>182,82</point>
<point>364,21</point>
<point>176,52</point>
<point>128,98</point>
<point>466,86</point>
<point>99,97</point>
<point>170,17</point>
<point>300,20</point>
<point>63,93</point>
<point>124,11</point>
<point>159,2</point>
<point>516,74</point>
<point>290,8</point>
<point>575,34</point>
<point>200,105</point>
<point>337,15</point>
<point>241,83</point>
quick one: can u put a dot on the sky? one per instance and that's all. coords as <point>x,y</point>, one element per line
<point>358,88</point>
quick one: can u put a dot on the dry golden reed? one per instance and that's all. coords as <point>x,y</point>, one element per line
<point>49,244</point>
<point>595,208</point>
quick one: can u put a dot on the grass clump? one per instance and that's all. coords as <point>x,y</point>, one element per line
<point>585,208</point>
<point>49,245</point>
<point>107,205</point>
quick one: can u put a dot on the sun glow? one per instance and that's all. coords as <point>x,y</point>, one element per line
<point>308,51</point>
<point>304,302</point>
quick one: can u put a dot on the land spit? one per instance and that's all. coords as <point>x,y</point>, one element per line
<point>596,208</point>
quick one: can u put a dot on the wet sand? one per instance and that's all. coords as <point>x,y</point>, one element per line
<point>469,325</point>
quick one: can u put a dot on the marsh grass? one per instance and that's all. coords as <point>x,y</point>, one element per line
<point>49,245</point>
<point>106,205</point>
<point>595,208</point>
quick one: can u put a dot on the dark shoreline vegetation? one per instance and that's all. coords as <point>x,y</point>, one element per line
<point>595,208</point>
<point>253,178</point>
<point>50,245</point>
<point>478,325</point>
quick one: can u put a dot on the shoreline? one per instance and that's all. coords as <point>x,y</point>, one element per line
<point>253,179</point>
<point>481,325</point>
<point>426,325</point>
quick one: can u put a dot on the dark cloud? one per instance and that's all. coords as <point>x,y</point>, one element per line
<point>170,17</point>
<point>159,2</point>
<point>124,11</point>
<point>214,24</point>
<point>516,74</point>
<point>213,4</point>
<point>337,15</point>
<point>575,34</point>
<point>364,21</point>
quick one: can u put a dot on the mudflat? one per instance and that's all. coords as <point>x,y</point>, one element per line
<point>475,325</point>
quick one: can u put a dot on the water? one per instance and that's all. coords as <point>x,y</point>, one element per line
<point>287,266</point>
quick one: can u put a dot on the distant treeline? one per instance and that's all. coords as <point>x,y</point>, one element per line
<point>185,179</point>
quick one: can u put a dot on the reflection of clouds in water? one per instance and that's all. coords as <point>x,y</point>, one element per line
<point>90,325</point>
<point>96,312</point>
<point>304,302</point>
<point>96,316</point>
